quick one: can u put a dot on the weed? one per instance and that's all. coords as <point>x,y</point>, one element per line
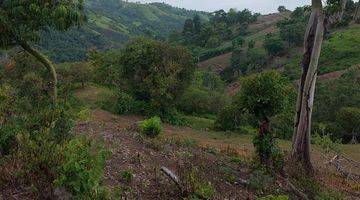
<point>127,175</point>
<point>236,160</point>
<point>199,188</point>
<point>151,127</point>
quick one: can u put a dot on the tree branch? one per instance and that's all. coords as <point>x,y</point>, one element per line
<point>49,66</point>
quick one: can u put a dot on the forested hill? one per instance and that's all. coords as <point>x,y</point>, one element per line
<point>111,23</point>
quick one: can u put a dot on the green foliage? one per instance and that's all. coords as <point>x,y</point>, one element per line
<point>214,52</point>
<point>222,28</point>
<point>332,96</point>
<point>293,30</point>
<point>156,72</point>
<point>213,42</point>
<point>340,51</point>
<point>282,9</point>
<point>23,20</point>
<point>38,155</point>
<point>238,42</point>
<point>81,169</point>
<point>263,94</point>
<point>326,143</point>
<point>200,101</point>
<point>267,149</point>
<point>124,104</point>
<point>232,117</point>
<point>198,187</point>
<point>349,119</point>
<point>251,44</point>
<point>127,175</point>
<point>205,94</point>
<point>243,61</point>
<point>151,127</point>
<point>274,45</point>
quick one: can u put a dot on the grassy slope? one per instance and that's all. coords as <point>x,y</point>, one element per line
<point>199,130</point>
<point>340,51</point>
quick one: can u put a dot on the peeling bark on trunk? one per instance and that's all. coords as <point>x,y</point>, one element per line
<point>312,48</point>
<point>357,13</point>
<point>49,66</point>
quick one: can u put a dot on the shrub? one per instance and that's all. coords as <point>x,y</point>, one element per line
<point>82,167</point>
<point>232,118</point>
<point>63,126</point>
<point>238,42</point>
<point>349,119</point>
<point>124,104</point>
<point>201,101</point>
<point>214,52</point>
<point>127,176</point>
<point>199,188</point>
<point>251,44</point>
<point>156,72</point>
<point>38,157</point>
<point>151,127</point>
<point>274,45</point>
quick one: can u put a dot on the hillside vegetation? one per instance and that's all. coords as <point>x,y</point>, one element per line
<point>113,22</point>
<point>202,106</point>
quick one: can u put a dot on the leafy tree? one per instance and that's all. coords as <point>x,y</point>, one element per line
<point>197,24</point>
<point>238,42</point>
<point>213,42</point>
<point>22,21</point>
<point>263,96</point>
<point>188,29</point>
<point>349,120</point>
<point>274,45</point>
<point>282,9</point>
<point>251,44</point>
<point>156,72</point>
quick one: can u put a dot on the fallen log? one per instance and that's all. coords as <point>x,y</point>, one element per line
<point>172,177</point>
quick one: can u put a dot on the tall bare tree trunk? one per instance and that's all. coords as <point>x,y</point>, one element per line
<point>312,48</point>
<point>357,13</point>
<point>49,66</point>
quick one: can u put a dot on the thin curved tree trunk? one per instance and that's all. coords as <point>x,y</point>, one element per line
<point>49,66</point>
<point>312,49</point>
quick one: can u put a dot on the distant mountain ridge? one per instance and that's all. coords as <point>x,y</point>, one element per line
<point>111,23</point>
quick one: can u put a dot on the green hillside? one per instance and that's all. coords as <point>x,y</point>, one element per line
<point>112,22</point>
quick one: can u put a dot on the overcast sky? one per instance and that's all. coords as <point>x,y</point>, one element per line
<point>261,6</point>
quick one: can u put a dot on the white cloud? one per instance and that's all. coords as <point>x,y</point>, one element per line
<point>262,6</point>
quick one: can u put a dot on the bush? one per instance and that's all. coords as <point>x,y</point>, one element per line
<point>156,72</point>
<point>199,188</point>
<point>274,45</point>
<point>82,167</point>
<point>214,52</point>
<point>201,101</point>
<point>151,127</point>
<point>232,118</point>
<point>124,104</point>
<point>38,156</point>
